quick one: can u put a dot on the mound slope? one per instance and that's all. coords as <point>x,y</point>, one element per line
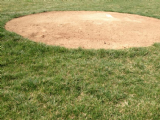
<point>88,29</point>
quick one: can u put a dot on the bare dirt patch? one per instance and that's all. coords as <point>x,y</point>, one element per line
<point>88,29</point>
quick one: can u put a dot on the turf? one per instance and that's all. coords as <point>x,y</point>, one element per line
<point>51,82</point>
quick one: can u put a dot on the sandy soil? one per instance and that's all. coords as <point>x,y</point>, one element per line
<point>88,29</point>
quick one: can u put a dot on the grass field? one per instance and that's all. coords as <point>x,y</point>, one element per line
<point>49,82</point>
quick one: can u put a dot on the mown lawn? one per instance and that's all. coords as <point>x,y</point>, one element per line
<point>51,82</point>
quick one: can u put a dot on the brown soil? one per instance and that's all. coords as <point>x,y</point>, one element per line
<point>88,29</point>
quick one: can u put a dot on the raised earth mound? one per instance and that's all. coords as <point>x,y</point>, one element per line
<point>88,29</point>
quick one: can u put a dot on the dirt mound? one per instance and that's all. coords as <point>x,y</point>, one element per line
<point>88,29</point>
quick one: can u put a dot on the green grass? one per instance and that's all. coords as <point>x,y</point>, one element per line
<point>49,82</point>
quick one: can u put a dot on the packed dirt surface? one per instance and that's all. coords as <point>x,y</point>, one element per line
<point>88,29</point>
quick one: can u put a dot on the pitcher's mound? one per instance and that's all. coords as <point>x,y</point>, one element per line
<point>88,29</point>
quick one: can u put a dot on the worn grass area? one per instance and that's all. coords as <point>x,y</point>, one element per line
<point>49,82</point>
